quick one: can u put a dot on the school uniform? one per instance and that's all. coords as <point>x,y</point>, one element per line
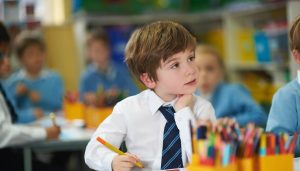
<point>234,101</point>
<point>49,86</point>
<point>138,121</point>
<point>284,114</point>
<point>14,134</point>
<point>116,76</point>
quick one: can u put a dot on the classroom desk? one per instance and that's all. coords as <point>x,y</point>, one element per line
<point>72,137</point>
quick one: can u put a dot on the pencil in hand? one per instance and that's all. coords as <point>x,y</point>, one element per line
<point>53,119</point>
<point>114,149</point>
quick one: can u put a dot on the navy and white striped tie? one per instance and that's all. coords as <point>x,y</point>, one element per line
<point>171,152</point>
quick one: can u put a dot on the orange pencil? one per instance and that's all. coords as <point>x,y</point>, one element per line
<point>114,149</point>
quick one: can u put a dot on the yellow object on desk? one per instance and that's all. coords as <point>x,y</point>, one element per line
<point>94,116</point>
<point>247,164</point>
<point>195,166</point>
<point>73,110</point>
<point>282,162</point>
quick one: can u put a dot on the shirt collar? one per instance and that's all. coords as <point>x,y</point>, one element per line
<point>110,73</point>
<point>155,102</point>
<point>43,74</point>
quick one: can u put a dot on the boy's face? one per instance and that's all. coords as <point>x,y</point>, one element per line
<point>98,52</point>
<point>210,72</point>
<point>177,76</point>
<point>33,58</point>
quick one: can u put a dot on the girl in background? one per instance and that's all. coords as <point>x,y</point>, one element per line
<point>228,100</point>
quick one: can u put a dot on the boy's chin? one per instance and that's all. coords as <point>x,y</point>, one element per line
<point>192,91</point>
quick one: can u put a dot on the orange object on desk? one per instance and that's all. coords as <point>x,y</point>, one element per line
<point>73,110</point>
<point>94,116</point>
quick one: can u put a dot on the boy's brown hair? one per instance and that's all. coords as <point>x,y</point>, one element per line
<point>295,35</point>
<point>151,44</point>
<point>98,35</point>
<point>27,39</point>
<point>206,49</point>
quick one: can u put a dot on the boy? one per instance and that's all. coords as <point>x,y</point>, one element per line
<point>103,74</point>
<point>155,123</point>
<point>284,114</point>
<point>211,85</point>
<point>37,91</point>
<point>14,134</point>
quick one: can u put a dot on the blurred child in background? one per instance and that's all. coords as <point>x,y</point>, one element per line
<point>36,91</point>
<point>228,100</point>
<point>11,133</point>
<point>284,114</point>
<point>104,82</point>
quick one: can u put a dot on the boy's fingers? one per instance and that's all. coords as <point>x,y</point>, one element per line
<point>127,164</point>
<point>127,158</point>
<point>135,157</point>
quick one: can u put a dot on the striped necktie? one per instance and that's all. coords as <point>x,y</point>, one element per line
<point>171,152</point>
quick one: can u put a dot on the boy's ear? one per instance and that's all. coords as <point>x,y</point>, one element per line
<point>147,81</point>
<point>296,55</point>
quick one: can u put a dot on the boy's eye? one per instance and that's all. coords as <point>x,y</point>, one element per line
<point>192,58</point>
<point>175,65</point>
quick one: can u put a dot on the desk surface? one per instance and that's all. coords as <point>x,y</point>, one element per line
<point>72,137</point>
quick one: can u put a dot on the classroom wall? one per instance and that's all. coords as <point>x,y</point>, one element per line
<point>62,54</point>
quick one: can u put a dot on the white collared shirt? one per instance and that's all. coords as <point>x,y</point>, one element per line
<point>15,134</point>
<point>24,75</point>
<point>137,121</point>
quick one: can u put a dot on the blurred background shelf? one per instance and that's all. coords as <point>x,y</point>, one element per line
<point>251,35</point>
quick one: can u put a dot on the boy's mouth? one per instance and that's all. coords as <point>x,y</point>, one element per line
<point>193,82</point>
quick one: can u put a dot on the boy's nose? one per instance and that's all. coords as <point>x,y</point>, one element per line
<point>191,70</point>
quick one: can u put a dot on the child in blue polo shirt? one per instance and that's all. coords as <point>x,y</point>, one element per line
<point>103,76</point>
<point>284,114</point>
<point>228,100</point>
<point>35,90</point>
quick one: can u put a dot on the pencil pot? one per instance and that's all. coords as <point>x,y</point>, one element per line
<point>276,163</point>
<point>73,110</point>
<point>195,166</point>
<point>94,116</point>
<point>247,164</point>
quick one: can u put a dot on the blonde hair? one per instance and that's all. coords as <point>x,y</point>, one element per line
<point>205,49</point>
<point>153,43</point>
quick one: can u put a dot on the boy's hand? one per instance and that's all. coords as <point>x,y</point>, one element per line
<point>183,101</point>
<point>34,96</point>
<point>21,89</point>
<point>53,132</point>
<point>124,162</point>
